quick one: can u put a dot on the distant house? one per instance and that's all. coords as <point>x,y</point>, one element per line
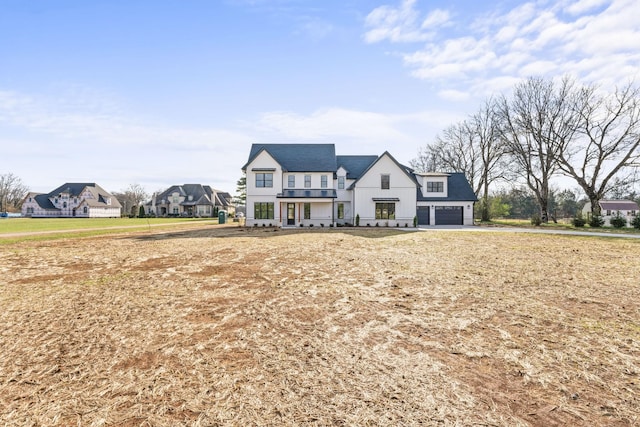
<point>307,184</point>
<point>73,199</point>
<point>610,208</point>
<point>189,200</point>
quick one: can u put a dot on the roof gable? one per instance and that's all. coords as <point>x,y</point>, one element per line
<point>298,157</point>
<point>355,165</point>
<point>405,169</point>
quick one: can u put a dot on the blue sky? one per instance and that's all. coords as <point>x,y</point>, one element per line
<point>163,92</point>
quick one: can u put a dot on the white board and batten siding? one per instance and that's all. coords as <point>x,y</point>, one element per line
<point>401,187</point>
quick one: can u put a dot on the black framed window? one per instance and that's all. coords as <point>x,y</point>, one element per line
<point>264,180</point>
<point>307,211</point>
<point>385,211</point>
<point>340,210</point>
<point>263,210</point>
<point>385,181</point>
<point>435,187</point>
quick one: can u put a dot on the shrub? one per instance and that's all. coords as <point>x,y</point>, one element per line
<point>415,221</point>
<point>358,220</point>
<point>578,221</point>
<point>536,220</point>
<point>322,225</point>
<point>596,221</point>
<point>618,221</point>
<point>635,222</point>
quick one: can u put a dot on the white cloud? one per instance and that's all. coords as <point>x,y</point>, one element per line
<point>356,132</point>
<point>62,141</point>
<point>596,40</point>
<point>400,24</point>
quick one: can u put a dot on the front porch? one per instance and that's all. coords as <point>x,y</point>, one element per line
<point>304,208</point>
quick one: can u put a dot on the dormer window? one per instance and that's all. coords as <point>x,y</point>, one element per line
<point>341,183</point>
<point>435,187</point>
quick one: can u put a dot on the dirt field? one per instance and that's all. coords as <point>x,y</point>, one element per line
<point>229,326</point>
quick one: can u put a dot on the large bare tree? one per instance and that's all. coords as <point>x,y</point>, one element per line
<point>471,146</point>
<point>12,191</point>
<point>607,143</point>
<point>536,125</point>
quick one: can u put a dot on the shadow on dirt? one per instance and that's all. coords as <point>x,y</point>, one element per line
<point>270,232</point>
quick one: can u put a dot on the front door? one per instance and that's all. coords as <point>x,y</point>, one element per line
<point>291,214</point>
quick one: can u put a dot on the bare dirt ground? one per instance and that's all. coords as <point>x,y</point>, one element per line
<point>234,326</point>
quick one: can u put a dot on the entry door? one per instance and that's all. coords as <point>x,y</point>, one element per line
<point>291,214</point>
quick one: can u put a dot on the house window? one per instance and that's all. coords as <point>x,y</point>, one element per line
<point>84,209</point>
<point>385,211</point>
<point>291,181</point>
<point>307,211</point>
<point>176,199</point>
<point>632,213</point>
<point>29,210</point>
<point>435,187</point>
<point>175,211</point>
<point>264,180</point>
<point>307,181</point>
<point>341,182</point>
<point>385,181</point>
<point>323,181</point>
<point>608,212</point>
<point>340,210</point>
<point>263,210</point>
<point>64,205</point>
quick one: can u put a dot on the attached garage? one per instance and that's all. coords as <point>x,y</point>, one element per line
<point>423,215</point>
<point>449,215</point>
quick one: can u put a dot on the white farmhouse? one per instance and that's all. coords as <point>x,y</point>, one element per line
<point>307,184</point>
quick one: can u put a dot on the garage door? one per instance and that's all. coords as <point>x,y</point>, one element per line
<point>423,215</point>
<point>449,215</point>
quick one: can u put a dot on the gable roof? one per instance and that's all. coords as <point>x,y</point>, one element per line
<point>458,189</point>
<point>201,195</point>
<point>298,157</point>
<point>403,168</point>
<point>355,165</point>
<point>619,205</point>
<point>75,189</point>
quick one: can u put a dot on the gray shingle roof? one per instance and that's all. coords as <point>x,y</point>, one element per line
<point>355,165</point>
<point>298,157</point>
<point>74,189</point>
<point>619,205</point>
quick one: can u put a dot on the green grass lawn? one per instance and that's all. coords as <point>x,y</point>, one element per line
<point>26,225</point>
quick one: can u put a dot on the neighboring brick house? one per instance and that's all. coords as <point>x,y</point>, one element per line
<point>305,184</point>
<point>73,199</point>
<point>610,208</point>
<point>190,200</point>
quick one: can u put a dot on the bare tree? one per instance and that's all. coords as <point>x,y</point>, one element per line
<point>426,160</point>
<point>131,198</point>
<point>471,146</point>
<point>607,144</point>
<point>12,191</point>
<point>536,125</point>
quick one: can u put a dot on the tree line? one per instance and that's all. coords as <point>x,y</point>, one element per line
<point>544,129</point>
